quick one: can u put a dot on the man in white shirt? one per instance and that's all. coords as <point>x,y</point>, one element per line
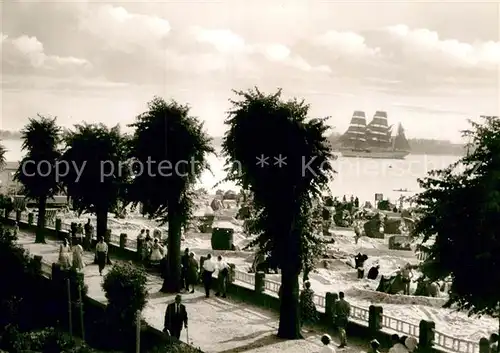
<point>327,347</point>
<point>397,346</point>
<point>208,270</point>
<point>222,276</point>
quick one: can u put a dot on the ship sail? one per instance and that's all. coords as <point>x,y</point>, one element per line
<point>378,131</point>
<point>401,142</point>
<point>355,136</point>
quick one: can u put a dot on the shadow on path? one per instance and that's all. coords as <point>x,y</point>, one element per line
<point>261,342</point>
<point>248,337</point>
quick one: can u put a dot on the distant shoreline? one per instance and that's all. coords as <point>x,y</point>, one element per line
<point>418,146</point>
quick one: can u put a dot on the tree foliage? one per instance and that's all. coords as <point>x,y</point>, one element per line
<point>173,146</point>
<point>98,173</point>
<point>37,171</point>
<point>125,288</point>
<point>2,156</point>
<point>460,207</point>
<point>284,194</point>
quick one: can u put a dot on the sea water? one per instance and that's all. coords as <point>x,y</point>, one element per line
<point>359,177</point>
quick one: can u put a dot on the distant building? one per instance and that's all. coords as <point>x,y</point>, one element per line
<point>7,183</point>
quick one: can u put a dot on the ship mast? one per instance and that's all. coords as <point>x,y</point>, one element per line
<point>378,131</point>
<point>355,136</point>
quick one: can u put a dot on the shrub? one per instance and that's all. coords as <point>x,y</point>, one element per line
<point>125,289</point>
<point>48,340</point>
<point>18,271</point>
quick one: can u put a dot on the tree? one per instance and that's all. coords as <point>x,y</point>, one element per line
<point>2,156</point>
<point>37,171</point>
<point>174,144</point>
<point>460,207</point>
<point>273,150</point>
<point>97,170</point>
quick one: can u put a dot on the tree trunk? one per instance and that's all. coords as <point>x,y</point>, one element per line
<point>289,327</point>
<point>290,249</point>
<point>172,280</point>
<point>102,221</point>
<point>40,223</point>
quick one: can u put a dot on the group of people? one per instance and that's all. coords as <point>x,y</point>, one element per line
<point>209,267</point>
<point>72,255</point>
<point>176,315</point>
<point>153,250</point>
<point>309,314</point>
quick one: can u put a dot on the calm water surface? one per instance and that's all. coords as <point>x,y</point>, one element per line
<point>355,176</point>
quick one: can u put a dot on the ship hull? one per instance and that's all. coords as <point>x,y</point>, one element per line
<point>380,154</point>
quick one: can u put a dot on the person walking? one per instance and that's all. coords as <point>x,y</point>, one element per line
<point>101,251</point>
<point>208,270</point>
<point>65,254</point>
<point>184,269</point>
<point>175,317</point>
<point>192,272</point>
<point>308,313</point>
<point>342,313</point>
<point>88,229</point>
<point>407,275</point>
<point>222,277</point>
<point>78,263</point>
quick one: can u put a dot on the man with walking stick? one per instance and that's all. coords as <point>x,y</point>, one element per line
<point>175,316</point>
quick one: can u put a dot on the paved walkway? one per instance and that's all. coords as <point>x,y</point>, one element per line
<point>215,324</point>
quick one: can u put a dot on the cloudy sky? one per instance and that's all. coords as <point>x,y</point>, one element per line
<point>431,65</point>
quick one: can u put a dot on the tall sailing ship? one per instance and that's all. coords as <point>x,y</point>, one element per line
<point>373,140</point>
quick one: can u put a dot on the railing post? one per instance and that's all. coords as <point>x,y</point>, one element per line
<point>484,345</point>
<point>330,300</point>
<point>56,273</point>
<point>123,240</point>
<point>37,263</point>
<point>427,335</point>
<point>58,228</point>
<point>260,285</point>
<point>18,216</point>
<point>375,313</point>
<point>31,218</point>
<point>232,273</point>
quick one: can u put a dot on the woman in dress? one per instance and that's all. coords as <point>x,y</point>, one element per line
<point>101,254</point>
<point>192,272</point>
<point>156,253</point>
<point>78,263</point>
<point>308,313</point>
<point>148,244</point>
<point>64,254</point>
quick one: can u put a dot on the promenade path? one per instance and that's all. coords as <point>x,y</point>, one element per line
<point>215,324</point>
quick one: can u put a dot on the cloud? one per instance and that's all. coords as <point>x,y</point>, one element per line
<point>345,43</point>
<point>426,46</point>
<point>429,109</point>
<point>128,43</point>
<point>121,29</point>
<point>28,53</point>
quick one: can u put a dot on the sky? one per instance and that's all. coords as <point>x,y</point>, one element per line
<point>430,65</point>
